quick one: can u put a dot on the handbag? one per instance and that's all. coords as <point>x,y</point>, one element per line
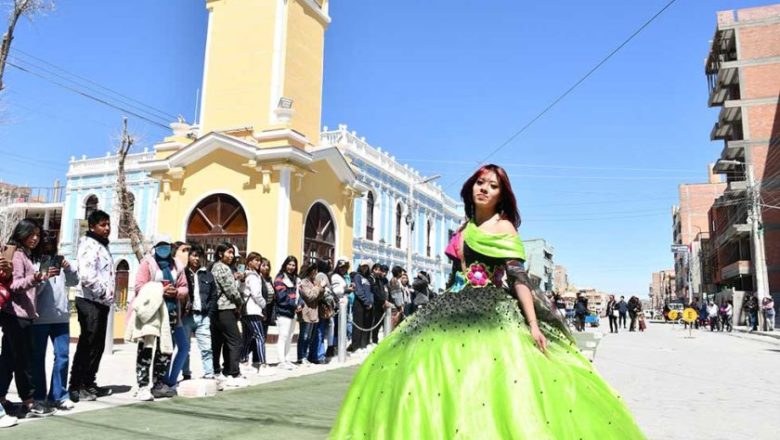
<point>615,313</point>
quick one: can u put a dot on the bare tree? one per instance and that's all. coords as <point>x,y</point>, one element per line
<point>9,215</point>
<point>19,9</point>
<point>128,226</point>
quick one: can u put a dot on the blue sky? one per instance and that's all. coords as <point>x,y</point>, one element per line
<point>439,84</point>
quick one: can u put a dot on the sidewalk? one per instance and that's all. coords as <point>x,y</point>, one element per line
<point>117,371</point>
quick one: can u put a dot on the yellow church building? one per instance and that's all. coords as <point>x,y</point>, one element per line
<point>252,171</point>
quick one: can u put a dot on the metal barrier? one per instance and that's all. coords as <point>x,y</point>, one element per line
<point>342,341</point>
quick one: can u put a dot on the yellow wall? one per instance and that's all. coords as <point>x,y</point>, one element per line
<point>238,64</point>
<point>222,172</point>
<point>303,69</point>
<point>326,186</point>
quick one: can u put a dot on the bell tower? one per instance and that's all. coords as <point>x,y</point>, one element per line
<point>263,67</point>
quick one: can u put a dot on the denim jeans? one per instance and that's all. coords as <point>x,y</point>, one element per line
<point>200,326</point>
<point>323,334</point>
<point>307,341</point>
<point>60,339</point>
<point>181,342</point>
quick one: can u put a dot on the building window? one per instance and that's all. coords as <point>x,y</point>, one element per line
<point>428,228</point>
<point>216,219</point>
<point>398,225</point>
<point>370,216</point>
<point>124,216</point>
<point>90,206</point>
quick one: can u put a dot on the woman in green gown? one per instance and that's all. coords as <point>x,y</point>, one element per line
<point>489,359</point>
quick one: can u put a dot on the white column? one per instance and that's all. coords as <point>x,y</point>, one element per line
<point>283,214</point>
<point>46,219</point>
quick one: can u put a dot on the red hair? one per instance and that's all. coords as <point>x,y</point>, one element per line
<point>507,206</point>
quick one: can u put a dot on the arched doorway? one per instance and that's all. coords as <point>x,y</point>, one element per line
<point>121,285</point>
<point>90,205</point>
<point>319,234</point>
<point>218,218</point>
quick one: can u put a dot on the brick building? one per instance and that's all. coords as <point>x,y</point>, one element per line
<point>743,72</point>
<point>662,289</point>
<point>691,228</point>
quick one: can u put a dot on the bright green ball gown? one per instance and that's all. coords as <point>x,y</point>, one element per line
<point>466,367</point>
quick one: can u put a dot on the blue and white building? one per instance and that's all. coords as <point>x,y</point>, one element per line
<point>381,217</point>
<point>91,185</point>
<point>383,214</point>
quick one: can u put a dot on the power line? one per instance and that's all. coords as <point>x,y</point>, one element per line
<point>95,83</point>
<point>568,91</point>
<point>87,95</point>
<point>545,166</point>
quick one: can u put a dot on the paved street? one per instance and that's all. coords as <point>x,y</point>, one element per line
<point>705,387</point>
<point>712,386</point>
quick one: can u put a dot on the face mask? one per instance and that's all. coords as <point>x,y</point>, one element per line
<point>163,251</point>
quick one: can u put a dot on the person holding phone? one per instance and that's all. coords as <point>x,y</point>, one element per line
<point>53,322</point>
<point>17,319</point>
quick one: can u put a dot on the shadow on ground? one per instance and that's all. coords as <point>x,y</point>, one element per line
<point>298,408</point>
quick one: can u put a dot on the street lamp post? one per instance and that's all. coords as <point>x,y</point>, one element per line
<point>410,218</point>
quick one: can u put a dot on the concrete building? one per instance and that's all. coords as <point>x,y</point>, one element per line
<point>383,218</point>
<point>539,262</point>
<point>662,289</point>
<point>560,279</point>
<point>743,73</point>
<point>41,204</point>
<point>691,229</point>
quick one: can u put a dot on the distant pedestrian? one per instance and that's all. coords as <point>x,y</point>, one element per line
<point>768,308</point>
<point>634,308</point>
<point>612,314</point>
<point>580,312</point>
<point>623,311</point>
<point>751,310</point>
<point>309,318</point>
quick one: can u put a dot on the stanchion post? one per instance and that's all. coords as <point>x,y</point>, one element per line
<point>342,341</point>
<point>388,321</point>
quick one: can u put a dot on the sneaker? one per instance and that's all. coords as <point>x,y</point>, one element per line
<point>186,377</point>
<point>144,394</point>
<point>64,405</point>
<point>39,410</point>
<point>7,421</point>
<point>85,395</point>
<point>162,390</point>
<point>74,395</point>
<point>100,391</point>
<point>9,407</point>
<point>304,362</point>
<point>237,382</point>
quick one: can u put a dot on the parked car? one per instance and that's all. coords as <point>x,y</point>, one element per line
<point>593,319</point>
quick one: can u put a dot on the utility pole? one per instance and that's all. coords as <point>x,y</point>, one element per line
<point>756,229</point>
<point>757,232</point>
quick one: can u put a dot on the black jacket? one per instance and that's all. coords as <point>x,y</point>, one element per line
<point>379,289</point>
<point>208,291</point>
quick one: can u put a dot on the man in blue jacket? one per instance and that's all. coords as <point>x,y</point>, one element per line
<point>622,311</point>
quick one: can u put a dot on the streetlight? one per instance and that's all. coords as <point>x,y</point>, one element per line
<point>410,218</point>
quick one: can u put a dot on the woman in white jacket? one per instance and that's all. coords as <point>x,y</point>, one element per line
<point>252,320</point>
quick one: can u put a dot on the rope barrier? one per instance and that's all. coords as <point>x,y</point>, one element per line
<point>381,321</point>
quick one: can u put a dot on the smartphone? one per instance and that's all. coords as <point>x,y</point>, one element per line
<point>57,261</point>
<point>46,262</point>
<point>241,268</point>
<point>8,252</point>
